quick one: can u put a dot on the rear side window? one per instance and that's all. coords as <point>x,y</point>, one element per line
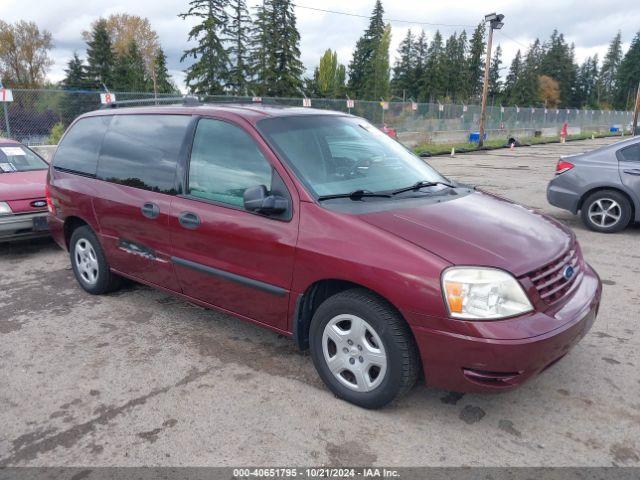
<point>142,151</point>
<point>78,150</point>
<point>632,153</point>
<point>225,161</point>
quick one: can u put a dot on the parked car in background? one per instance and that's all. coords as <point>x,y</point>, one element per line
<point>23,208</point>
<point>319,226</point>
<point>602,185</point>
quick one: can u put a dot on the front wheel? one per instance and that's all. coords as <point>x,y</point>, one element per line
<point>363,349</point>
<point>606,211</point>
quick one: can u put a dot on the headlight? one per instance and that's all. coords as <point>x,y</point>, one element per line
<point>5,209</point>
<point>475,293</point>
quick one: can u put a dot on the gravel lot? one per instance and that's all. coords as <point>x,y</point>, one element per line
<point>140,378</point>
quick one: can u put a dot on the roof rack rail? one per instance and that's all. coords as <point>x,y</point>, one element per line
<point>184,100</point>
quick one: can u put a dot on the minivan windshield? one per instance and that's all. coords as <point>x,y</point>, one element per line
<point>339,155</point>
<point>17,158</point>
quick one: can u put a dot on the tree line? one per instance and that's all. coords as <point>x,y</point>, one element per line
<point>238,52</point>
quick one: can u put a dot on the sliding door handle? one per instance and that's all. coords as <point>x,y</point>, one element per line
<point>189,220</point>
<point>150,210</point>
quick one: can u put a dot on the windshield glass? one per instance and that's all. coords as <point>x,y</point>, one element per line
<point>17,158</point>
<point>335,155</point>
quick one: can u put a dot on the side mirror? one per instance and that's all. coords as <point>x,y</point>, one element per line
<point>257,199</point>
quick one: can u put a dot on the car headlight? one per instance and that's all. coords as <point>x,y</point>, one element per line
<point>476,293</point>
<point>5,209</point>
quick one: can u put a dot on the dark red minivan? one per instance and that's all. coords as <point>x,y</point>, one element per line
<point>319,226</point>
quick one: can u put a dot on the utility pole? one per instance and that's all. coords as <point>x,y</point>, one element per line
<point>634,127</point>
<point>495,23</point>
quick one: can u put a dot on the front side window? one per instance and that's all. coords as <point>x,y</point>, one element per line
<point>142,151</point>
<point>78,150</point>
<point>18,158</point>
<point>225,161</point>
<point>336,155</point>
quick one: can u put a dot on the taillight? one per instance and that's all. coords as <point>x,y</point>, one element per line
<point>563,166</point>
<point>50,206</point>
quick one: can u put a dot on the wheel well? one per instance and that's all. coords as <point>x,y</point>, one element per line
<point>308,303</point>
<point>614,189</point>
<point>70,224</point>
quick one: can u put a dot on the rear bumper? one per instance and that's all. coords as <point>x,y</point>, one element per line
<point>470,364</point>
<point>21,226</point>
<point>562,197</point>
<point>56,228</point>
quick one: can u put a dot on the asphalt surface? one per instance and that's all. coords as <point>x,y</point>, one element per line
<point>140,378</point>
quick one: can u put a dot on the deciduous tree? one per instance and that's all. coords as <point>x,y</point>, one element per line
<point>24,54</point>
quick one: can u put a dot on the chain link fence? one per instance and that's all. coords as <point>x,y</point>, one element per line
<point>39,116</point>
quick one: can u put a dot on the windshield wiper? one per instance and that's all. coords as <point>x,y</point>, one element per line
<point>355,195</point>
<point>421,184</point>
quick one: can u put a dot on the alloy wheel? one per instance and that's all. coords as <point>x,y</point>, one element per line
<point>86,261</point>
<point>605,212</point>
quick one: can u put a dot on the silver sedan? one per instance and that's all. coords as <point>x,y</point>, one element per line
<point>602,185</point>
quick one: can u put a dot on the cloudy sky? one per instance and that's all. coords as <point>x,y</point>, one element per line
<point>589,23</point>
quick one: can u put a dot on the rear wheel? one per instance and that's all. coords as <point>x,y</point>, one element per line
<point>606,211</point>
<point>89,263</point>
<point>363,349</point>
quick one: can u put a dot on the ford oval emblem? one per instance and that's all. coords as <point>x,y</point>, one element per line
<point>568,272</point>
<point>39,204</point>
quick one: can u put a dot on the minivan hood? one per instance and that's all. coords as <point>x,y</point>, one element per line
<point>479,229</point>
<point>22,185</point>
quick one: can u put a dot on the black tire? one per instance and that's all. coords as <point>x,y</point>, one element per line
<point>402,360</point>
<point>590,206</point>
<point>104,281</point>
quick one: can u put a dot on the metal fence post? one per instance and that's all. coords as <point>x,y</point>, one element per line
<point>6,119</point>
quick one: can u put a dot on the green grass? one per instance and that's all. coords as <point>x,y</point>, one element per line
<point>463,147</point>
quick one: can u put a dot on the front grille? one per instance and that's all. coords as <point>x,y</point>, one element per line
<point>550,280</point>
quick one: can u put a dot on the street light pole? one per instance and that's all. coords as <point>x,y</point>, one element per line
<point>495,23</point>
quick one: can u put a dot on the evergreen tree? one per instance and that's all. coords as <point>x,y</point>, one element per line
<point>209,73</point>
<point>362,65</point>
<point>526,88</point>
<point>434,81</point>
<point>587,83</point>
<point>557,61</point>
<point>238,38</point>
<point>609,71</point>
<point>513,78</point>
<point>377,83</point>
<point>75,79</point>
<point>130,73</point>
<point>475,62</point>
<point>75,74</point>
<point>495,83</point>
<point>404,69</point>
<point>420,50</point>
<point>453,57</point>
<point>164,84</point>
<point>100,57</point>
<point>628,76</point>
<point>276,50</point>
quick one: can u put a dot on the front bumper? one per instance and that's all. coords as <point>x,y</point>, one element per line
<point>22,226</point>
<point>465,363</point>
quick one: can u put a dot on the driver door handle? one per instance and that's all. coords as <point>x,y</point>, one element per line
<point>189,220</point>
<point>633,171</point>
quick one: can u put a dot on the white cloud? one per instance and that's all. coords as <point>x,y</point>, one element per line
<point>590,24</point>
